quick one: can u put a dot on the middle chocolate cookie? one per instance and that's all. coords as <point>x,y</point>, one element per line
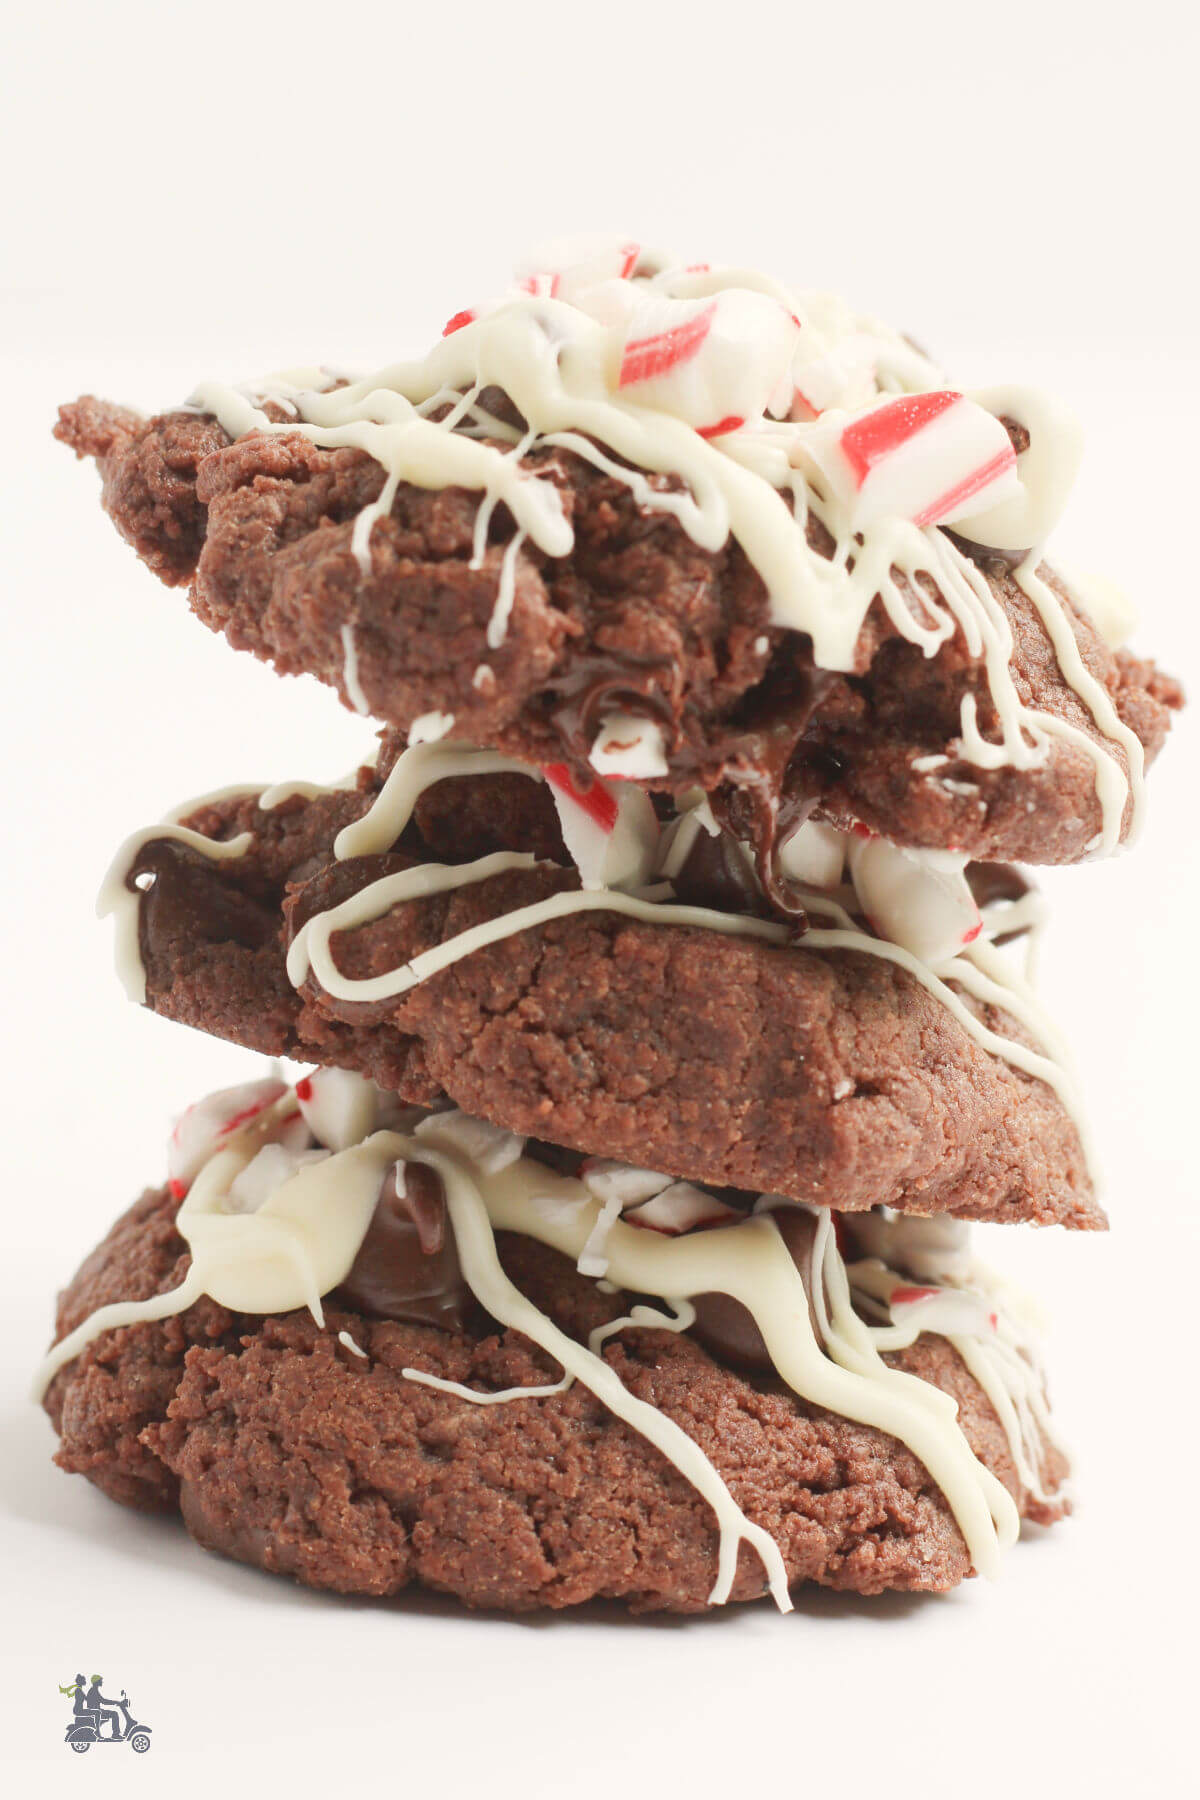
<point>449,948</point>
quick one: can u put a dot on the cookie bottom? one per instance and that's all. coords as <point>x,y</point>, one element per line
<point>309,1452</point>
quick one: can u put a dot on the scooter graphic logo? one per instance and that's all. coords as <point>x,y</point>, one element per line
<point>98,1720</point>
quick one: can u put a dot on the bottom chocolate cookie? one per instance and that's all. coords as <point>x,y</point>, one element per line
<point>385,1437</point>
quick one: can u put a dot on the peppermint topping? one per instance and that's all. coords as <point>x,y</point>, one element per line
<point>339,1107</point>
<point>629,748</point>
<point>814,854</point>
<point>771,410</point>
<point>679,1208</point>
<point>609,828</point>
<point>213,1122</point>
<point>716,364</point>
<point>930,458</point>
<point>918,899</point>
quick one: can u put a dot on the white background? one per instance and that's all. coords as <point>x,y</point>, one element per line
<point>226,189</point>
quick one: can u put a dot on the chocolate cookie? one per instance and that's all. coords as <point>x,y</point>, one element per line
<point>307,1452</point>
<point>830,1075</point>
<point>638,620</point>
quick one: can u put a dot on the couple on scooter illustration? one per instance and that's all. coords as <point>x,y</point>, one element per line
<point>94,1711</point>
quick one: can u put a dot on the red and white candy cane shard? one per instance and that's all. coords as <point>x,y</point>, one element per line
<point>714,363</point>
<point>952,1312</point>
<point>629,748</point>
<point>467,316</point>
<point>598,800</point>
<point>917,899</point>
<point>1046,471</point>
<point>679,1208</point>
<point>843,377</point>
<point>814,854</point>
<point>544,286</point>
<point>610,1180</point>
<point>275,1163</point>
<point>567,267</point>
<point>208,1126</point>
<point>609,828</point>
<point>930,458</point>
<point>734,422</point>
<point>338,1107</point>
<point>677,340</point>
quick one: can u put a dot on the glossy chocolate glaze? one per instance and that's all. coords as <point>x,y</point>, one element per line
<point>407,1265</point>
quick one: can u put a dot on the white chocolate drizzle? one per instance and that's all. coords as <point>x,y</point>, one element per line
<point>555,348</point>
<point>1112,788</point>
<point>311,950</point>
<point>415,769</point>
<point>350,681</point>
<point>302,1239</point>
<point>976,968</point>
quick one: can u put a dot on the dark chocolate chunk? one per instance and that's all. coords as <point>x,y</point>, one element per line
<point>407,1264</point>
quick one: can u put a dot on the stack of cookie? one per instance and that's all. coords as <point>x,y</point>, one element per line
<point>661,981</point>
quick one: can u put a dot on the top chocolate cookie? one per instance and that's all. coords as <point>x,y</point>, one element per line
<point>677,525</point>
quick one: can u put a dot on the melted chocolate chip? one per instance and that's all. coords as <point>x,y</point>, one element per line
<point>717,874</point>
<point>1018,434</point>
<point>407,1265</point>
<point>784,779</point>
<point>995,563</point>
<point>190,898</point>
<point>727,1328</point>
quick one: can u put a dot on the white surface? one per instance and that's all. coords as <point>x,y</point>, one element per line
<point>226,189</point>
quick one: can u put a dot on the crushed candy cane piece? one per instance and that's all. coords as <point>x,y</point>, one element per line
<point>267,1172</point>
<point>679,1208</point>
<point>919,899</point>
<point>931,458</point>
<point>610,829</point>
<point>814,854</point>
<point>629,748</point>
<point>929,1248</point>
<point>489,1145</point>
<point>608,1180</point>
<point>566,268</point>
<point>950,1311</point>
<point>540,287</point>
<point>714,363</point>
<point>208,1126</point>
<point>339,1107</point>
<point>843,376</point>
